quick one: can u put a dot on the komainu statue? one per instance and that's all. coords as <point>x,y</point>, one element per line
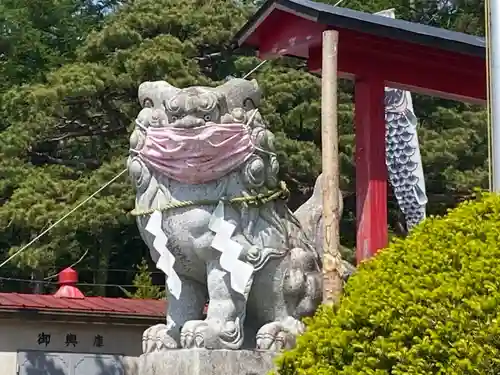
<point>213,212</point>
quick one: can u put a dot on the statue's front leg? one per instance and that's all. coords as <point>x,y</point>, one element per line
<point>223,326</point>
<point>188,307</point>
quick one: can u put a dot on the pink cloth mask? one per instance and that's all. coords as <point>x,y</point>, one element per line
<point>197,155</point>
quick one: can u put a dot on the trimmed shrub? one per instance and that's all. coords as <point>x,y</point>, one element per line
<point>428,304</point>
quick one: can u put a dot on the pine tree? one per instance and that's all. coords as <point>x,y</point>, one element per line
<point>143,282</point>
<point>37,36</point>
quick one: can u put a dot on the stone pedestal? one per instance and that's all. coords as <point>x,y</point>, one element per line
<point>204,362</point>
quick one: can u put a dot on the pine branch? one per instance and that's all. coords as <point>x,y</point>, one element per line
<point>38,158</point>
<point>84,133</point>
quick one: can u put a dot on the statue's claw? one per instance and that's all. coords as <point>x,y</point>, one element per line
<point>192,334</point>
<point>279,335</point>
<point>156,338</point>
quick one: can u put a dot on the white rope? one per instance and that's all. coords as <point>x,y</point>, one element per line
<point>62,218</point>
<point>72,266</point>
<point>254,69</point>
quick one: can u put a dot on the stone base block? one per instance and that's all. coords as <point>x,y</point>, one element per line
<point>204,362</point>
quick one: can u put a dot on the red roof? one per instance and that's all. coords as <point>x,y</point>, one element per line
<point>405,55</point>
<point>87,305</point>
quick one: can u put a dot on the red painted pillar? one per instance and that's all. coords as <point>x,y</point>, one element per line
<point>371,171</point>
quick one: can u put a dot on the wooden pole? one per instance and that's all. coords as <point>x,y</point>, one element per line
<point>332,281</point>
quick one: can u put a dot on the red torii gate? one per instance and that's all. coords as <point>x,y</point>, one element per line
<point>376,52</point>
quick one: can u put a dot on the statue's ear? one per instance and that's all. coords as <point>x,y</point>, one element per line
<point>238,91</point>
<point>255,84</point>
<point>156,92</point>
<point>256,95</point>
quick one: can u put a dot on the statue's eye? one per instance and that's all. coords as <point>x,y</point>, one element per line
<point>207,118</point>
<point>174,118</point>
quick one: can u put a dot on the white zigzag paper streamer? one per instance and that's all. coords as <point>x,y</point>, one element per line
<point>239,271</point>
<point>167,259</point>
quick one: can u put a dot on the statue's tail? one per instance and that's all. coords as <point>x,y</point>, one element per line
<point>310,217</point>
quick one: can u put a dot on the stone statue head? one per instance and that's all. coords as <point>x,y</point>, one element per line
<point>194,106</point>
<point>178,113</point>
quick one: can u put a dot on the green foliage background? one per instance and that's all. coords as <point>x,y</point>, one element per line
<point>70,72</point>
<point>432,305</point>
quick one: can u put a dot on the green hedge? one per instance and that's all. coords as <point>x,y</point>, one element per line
<point>428,304</point>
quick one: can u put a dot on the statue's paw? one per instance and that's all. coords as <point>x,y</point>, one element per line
<point>211,334</point>
<point>156,338</point>
<point>279,335</point>
<point>192,334</point>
